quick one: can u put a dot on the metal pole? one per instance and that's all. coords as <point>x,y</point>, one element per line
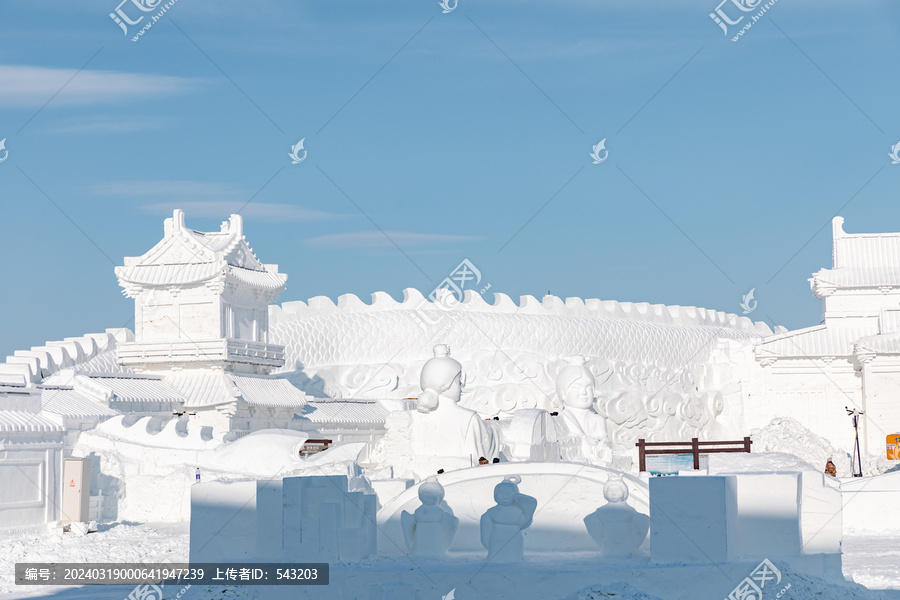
<point>856,460</point>
<point>858,453</point>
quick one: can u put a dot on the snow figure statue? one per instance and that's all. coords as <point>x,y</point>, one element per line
<point>616,527</point>
<point>587,430</point>
<point>502,525</point>
<point>430,530</point>
<point>443,429</point>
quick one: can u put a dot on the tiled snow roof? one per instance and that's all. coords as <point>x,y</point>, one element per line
<point>208,388</point>
<point>861,260</point>
<point>127,389</point>
<point>859,278</point>
<point>202,388</point>
<point>343,412</point>
<point>268,391</point>
<point>180,274</point>
<point>19,421</point>
<point>813,342</point>
<point>880,344</point>
<point>261,279</point>
<point>69,403</point>
<point>150,274</point>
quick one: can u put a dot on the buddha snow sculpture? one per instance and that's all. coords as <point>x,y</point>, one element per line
<point>442,429</point>
<point>502,525</point>
<point>616,527</point>
<point>575,388</point>
<point>429,531</point>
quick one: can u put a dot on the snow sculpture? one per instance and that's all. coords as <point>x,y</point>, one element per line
<point>430,530</point>
<point>575,387</point>
<point>616,527</point>
<point>502,525</point>
<point>441,429</point>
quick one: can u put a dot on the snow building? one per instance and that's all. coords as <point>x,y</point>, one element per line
<point>31,459</point>
<point>201,322</point>
<point>852,359</point>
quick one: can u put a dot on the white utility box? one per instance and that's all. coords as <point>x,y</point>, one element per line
<point>76,490</point>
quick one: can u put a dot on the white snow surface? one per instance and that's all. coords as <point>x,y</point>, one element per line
<point>789,436</point>
<point>802,587</point>
<point>869,560</point>
<point>150,472</point>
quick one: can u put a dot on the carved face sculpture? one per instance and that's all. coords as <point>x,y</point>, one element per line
<point>615,491</point>
<point>504,493</point>
<point>575,384</point>
<point>580,393</point>
<point>431,493</point>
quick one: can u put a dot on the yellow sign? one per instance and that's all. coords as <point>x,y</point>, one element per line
<point>893,446</point>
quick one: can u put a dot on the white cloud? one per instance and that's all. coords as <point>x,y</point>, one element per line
<point>23,85</point>
<point>107,124</point>
<point>206,199</point>
<point>259,211</point>
<point>171,190</point>
<point>377,239</point>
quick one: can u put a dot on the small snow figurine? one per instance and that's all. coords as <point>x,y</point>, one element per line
<point>430,530</point>
<point>502,525</point>
<point>616,527</point>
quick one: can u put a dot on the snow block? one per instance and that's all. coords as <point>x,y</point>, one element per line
<point>768,515</point>
<point>870,503</point>
<point>690,518</point>
<point>392,591</point>
<point>821,515</point>
<point>269,519</point>
<point>296,519</point>
<point>323,520</point>
<point>223,521</point>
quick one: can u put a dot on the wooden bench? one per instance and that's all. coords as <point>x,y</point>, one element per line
<point>314,446</point>
<point>694,447</point>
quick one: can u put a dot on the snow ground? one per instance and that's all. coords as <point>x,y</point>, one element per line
<point>870,560</point>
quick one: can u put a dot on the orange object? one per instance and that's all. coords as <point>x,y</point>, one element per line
<point>893,446</point>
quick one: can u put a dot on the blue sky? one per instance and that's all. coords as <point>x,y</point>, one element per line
<point>450,133</point>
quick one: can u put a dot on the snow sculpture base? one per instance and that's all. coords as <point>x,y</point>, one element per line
<point>868,499</point>
<point>297,519</point>
<point>794,517</point>
<point>689,518</point>
<point>768,515</point>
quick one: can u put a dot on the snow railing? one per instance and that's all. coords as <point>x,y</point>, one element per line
<point>31,366</point>
<point>413,300</point>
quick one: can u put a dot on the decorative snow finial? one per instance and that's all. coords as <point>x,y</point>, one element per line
<point>175,223</point>
<point>837,227</point>
<point>236,225</point>
<point>441,350</point>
